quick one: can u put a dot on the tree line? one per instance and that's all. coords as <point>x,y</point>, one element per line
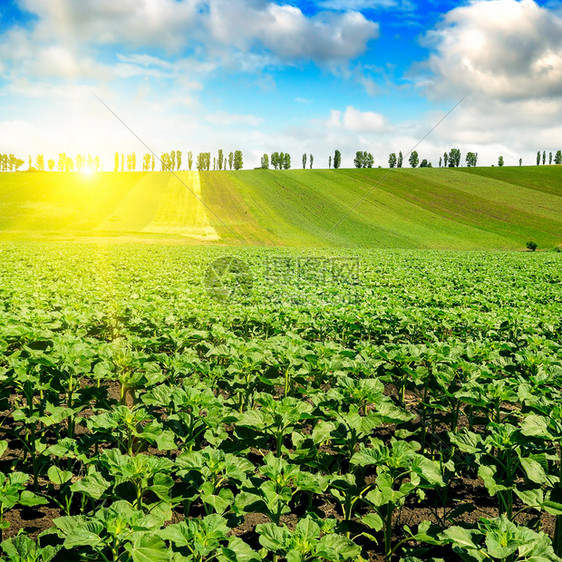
<point>557,157</point>
<point>173,160</point>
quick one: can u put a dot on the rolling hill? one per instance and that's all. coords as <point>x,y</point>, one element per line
<point>463,208</point>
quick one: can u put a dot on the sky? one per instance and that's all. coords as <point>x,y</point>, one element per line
<point>271,75</point>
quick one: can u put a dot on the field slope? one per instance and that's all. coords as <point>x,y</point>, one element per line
<point>465,208</point>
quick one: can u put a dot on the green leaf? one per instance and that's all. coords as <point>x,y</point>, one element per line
<point>58,476</point>
<point>535,426</point>
<point>20,547</point>
<point>487,474</point>
<point>239,551</point>
<point>373,521</point>
<point>272,537</point>
<point>459,536</point>
<point>29,499</point>
<point>148,548</point>
<point>307,529</point>
<point>501,539</point>
<point>93,485</point>
<point>534,470</point>
<point>344,548</point>
<point>554,508</point>
<point>532,497</point>
<point>165,440</point>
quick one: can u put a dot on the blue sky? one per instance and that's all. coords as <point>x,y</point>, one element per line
<point>267,75</point>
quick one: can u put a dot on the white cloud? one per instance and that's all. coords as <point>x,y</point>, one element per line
<point>358,121</point>
<point>506,56</point>
<point>259,27</point>
<point>289,34</point>
<point>157,23</point>
<point>505,49</point>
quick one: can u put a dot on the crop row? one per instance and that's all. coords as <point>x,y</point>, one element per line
<point>408,410</point>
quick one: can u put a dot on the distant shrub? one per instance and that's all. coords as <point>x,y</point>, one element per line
<point>532,246</point>
<point>558,248</point>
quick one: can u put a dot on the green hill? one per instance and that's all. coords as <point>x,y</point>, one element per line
<point>464,208</point>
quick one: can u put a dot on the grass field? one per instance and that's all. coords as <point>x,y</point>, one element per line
<point>466,208</point>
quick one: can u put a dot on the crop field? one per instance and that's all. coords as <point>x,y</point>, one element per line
<point>490,208</point>
<point>187,403</point>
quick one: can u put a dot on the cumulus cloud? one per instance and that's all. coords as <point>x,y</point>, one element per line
<point>251,26</point>
<point>155,23</point>
<point>288,33</point>
<point>358,121</point>
<point>505,49</point>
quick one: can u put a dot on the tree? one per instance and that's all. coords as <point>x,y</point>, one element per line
<point>189,160</point>
<point>286,161</point>
<point>425,164</point>
<point>153,163</point>
<point>18,163</point>
<point>414,159</point>
<point>79,162</point>
<point>51,164</point>
<point>122,162</point>
<point>275,160</point>
<point>230,160</point>
<point>172,160</point>
<point>40,162</point>
<point>549,158</point>
<point>304,161</point>
<point>392,160</point>
<point>558,157</point>
<point>445,158</point>
<point>400,160</point>
<point>500,161</point>
<point>454,158</point>
<point>471,159</point>
<point>543,157</point>
<point>311,161</point>
<point>220,160</point>
<point>178,159</point>
<point>237,163</point>
<point>440,161</point>
<point>200,162</point>
<point>538,157</point>
<point>329,161</point>
<point>146,162</point>
<point>116,162</point>
<point>363,159</point>
<point>520,161</point>
<point>337,159</point>
<point>97,163</point>
<point>62,161</point>
<point>265,162</point>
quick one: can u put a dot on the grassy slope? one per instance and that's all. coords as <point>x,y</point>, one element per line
<point>396,208</point>
<point>428,208</point>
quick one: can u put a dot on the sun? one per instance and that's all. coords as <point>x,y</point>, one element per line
<point>88,171</point>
